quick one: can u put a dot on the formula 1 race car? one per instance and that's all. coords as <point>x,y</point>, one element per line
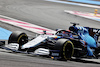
<point>64,44</point>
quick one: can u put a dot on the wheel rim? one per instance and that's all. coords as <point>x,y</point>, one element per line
<point>68,50</point>
<point>22,40</point>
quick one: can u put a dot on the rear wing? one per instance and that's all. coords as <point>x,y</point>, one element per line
<point>94,32</point>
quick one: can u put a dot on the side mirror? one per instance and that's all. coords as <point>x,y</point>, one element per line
<point>44,31</point>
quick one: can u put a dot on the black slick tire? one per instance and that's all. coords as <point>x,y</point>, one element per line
<point>66,48</point>
<point>18,37</point>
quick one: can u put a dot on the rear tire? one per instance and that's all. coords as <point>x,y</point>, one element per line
<point>66,48</point>
<point>18,37</point>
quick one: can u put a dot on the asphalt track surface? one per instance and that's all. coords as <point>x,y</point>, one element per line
<point>48,14</point>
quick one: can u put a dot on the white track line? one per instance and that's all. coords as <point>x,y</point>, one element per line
<point>25,25</point>
<point>78,4</point>
<point>84,14</point>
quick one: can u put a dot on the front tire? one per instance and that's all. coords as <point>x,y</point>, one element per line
<point>18,37</point>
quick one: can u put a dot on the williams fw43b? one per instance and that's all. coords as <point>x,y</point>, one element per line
<point>77,41</point>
